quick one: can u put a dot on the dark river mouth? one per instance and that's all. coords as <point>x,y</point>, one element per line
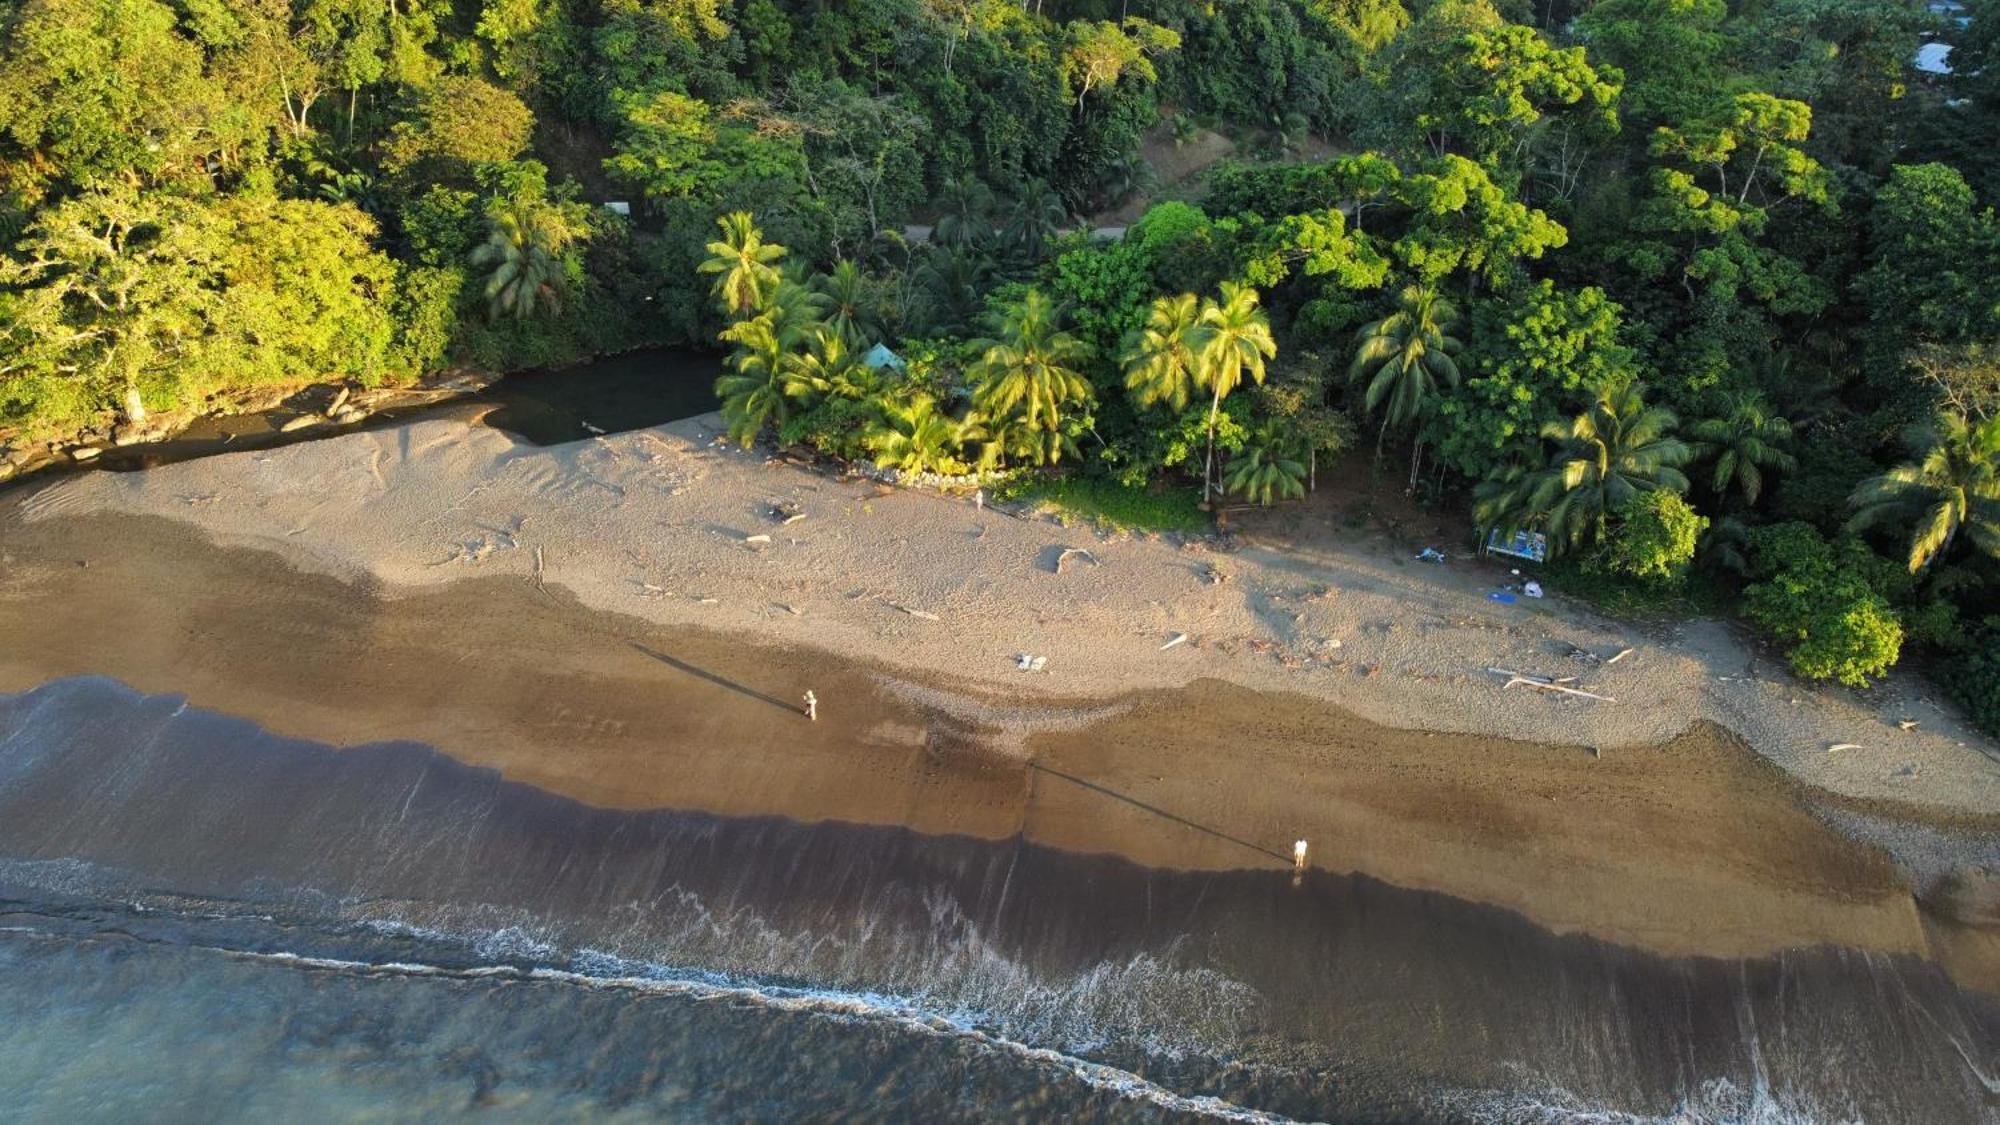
<point>385,915</point>
<point>630,391</point>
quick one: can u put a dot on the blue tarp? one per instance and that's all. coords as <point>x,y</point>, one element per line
<point>880,356</point>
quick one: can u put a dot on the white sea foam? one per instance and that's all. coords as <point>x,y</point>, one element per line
<point>1718,1101</point>
<point>827,1003</point>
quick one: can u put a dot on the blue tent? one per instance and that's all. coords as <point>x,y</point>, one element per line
<point>880,356</point>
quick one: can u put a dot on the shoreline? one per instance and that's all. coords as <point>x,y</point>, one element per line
<point>191,583</point>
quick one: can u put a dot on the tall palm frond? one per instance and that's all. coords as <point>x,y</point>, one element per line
<point>523,246</point>
<point>1159,358</point>
<point>1406,357</point>
<point>1030,371</point>
<point>744,264</point>
<point>1267,468</point>
<point>1232,341</point>
<point>1952,486</point>
<point>1744,441</point>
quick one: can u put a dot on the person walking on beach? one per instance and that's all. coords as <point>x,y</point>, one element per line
<point>812,706</point>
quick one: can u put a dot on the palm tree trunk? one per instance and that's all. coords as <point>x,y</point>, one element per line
<point>1208,473</point>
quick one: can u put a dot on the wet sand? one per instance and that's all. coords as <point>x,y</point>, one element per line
<point>1695,847</point>
<point>140,837</point>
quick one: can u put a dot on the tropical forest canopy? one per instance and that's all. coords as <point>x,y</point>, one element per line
<point>1689,287</point>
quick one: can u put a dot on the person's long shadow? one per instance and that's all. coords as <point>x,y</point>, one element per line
<point>1158,811</point>
<point>711,677</point>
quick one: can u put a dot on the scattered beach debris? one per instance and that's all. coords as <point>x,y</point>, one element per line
<point>1533,588</point>
<point>1069,551</point>
<point>795,611</point>
<point>1214,575</point>
<point>1620,655</point>
<point>1027,662</point>
<point>1907,724</point>
<point>916,613</point>
<point>1502,597</point>
<point>1430,555</point>
<point>1579,654</point>
<point>600,431</point>
<point>339,400</point>
<point>299,423</point>
<point>648,590</point>
<point>1546,683</point>
<point>756,539</point>
<point>1839,746</point>
<point>1177,638</point>
<point>784,511</point>
<point>538,568</point>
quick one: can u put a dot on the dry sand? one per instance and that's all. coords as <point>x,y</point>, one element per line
<point>604,620</point>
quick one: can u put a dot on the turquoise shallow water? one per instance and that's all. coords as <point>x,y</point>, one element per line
<point>201,921</point>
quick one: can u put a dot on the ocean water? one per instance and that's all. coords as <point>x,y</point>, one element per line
<point>200,921</point>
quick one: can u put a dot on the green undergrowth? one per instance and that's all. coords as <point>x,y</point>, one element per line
<point>1108,504</point>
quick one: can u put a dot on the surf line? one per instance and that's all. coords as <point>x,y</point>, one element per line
<point>1160,812</point>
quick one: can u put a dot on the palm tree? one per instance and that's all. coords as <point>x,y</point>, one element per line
<point>1266,468</point>
<point>1031,371</point>
<point>1610,453</point>
<point>1405,356</point>
<point>851,305</point>
<point>524,246</point>
<point>1232,340</point>
<point>965,218</point>
<point>1035,218</point>
<point>915,437</point>
<point>827,368</point>
<point>754,391</point>
<point>1745,440</point>
<point>743,264</point>
<point>1953,485</point>
<point>954,283</point>
<point>1159,362</point>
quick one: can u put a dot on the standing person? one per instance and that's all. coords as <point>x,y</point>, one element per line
<point>812,706</point>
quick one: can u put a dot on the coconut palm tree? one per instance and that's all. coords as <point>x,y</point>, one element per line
<point>954,282</point>
<point>1406,356</point>
<point>965,218</point>
<point>1266,468</point>
<point>1953,485</point>
<point>1604,456</point>
<point>1034,219</point>
<point>754,391</point>
<point>1744,441</point>
<point>1159,358</point>
<point>524,246</point>
<point>1030,372</point>
<point>1231,341</point>
<point>826,367</point>
<point>852,308</point>
<point>914,436</point>
<point>744,264</point>
<point>1610,453</point>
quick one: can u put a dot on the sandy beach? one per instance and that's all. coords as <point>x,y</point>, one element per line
<point>624,622</point>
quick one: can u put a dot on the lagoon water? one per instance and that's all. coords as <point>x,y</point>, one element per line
<point>202,921</point>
